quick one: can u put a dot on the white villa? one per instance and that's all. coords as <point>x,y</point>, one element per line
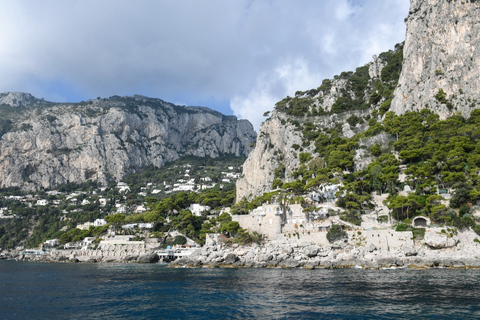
<point>99,222</point>
<point>41,202</point>
<point>123,187</point>
<point>197,209</point>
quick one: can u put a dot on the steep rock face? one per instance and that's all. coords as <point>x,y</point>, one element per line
<point>281,137</point>
<point>441,52</point>
<point>277,147</point>
<point>46,144</point>
<point>275,140</point>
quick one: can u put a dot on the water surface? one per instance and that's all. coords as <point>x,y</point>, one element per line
<point>133,291</point>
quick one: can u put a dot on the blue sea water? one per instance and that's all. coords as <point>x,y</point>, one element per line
<point>133,291</point>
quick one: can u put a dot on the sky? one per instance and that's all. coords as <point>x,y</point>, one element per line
<point>236,56</point>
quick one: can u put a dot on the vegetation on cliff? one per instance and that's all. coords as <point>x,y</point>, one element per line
<point>415,157</point>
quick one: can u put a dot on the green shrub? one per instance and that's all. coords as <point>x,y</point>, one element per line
<point>180,240</point>
<point>336,233</point>
<point>441,96</point>
<point>305,157</point>
<point>376,150</point>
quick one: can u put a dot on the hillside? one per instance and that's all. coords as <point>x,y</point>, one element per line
<point>45,144</point>
<point>404,125</point>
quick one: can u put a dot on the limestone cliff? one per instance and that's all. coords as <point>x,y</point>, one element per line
<point>441,58</point>
<point>44,144</point>
<point>436,68</point>
<point>332,106</point>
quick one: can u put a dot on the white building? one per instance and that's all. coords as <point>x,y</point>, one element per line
<point>138,225</point>
<point>146,225</point>
<point>85,226</point>
<point>51,243</point>
<point>72,195</point>
<point>121,208</point>
<point>42,202</point>
<point>141,208</point>
<point>99,222</point>
<point>87,242</point>
<point>123,187</point>
<point>197,209</point>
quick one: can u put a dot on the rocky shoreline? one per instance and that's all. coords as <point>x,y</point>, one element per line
<point>437,250</point>
<point>70,257</point>
<point>311,257</point>
<point>279,256</point>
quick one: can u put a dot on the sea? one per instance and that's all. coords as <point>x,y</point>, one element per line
<point>30,290</point>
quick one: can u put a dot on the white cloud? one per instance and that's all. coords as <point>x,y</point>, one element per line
<point>284,80</point>
<point>236,53</point>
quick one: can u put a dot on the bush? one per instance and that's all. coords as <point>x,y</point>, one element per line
<point>461,196</point>
<point>276,183</point>
<point>305,157</point>
<point>180,240</point>
<point>353,120</point>
<point>441,96</point>
<point>376,150</point>
<point>418,233</point>
<point>382,219</point>
<point>463,222</point>
<point>336,233</point>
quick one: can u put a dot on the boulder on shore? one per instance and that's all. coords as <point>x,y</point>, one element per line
<point>231,258</point>
<point>150,257</point>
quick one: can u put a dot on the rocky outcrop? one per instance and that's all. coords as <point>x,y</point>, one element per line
<point>441,52</point>
<point>273,148</point>
<point>279,141</point>
<point>149,257</point>
<point>440,240</point>
<point>411,254</point>
<point>45,144</point>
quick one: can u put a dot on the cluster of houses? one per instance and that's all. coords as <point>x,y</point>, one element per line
<point>76,200</point>
<point>273,220</point>
<point>280,220</point>
<point>276,221</point>
<point>188,183</point>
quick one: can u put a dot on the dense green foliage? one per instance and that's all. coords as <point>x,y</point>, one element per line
<point>359,92</point>
<point>437,156</point>
<point>336,233</point>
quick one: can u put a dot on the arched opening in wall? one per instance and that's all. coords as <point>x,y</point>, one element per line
<point>278,211</point>
<point>421,222</point>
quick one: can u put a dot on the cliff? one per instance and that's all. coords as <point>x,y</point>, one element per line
<point>441,58</point>
<point>43,144</point>
<point>342,105</point>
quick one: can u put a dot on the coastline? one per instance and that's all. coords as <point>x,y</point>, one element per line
<point>462,253</point>
<point>312,257</point>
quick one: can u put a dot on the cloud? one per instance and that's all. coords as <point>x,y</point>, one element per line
<point>290,77</point>
<point>231,55</point>
<point>345,35</point>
